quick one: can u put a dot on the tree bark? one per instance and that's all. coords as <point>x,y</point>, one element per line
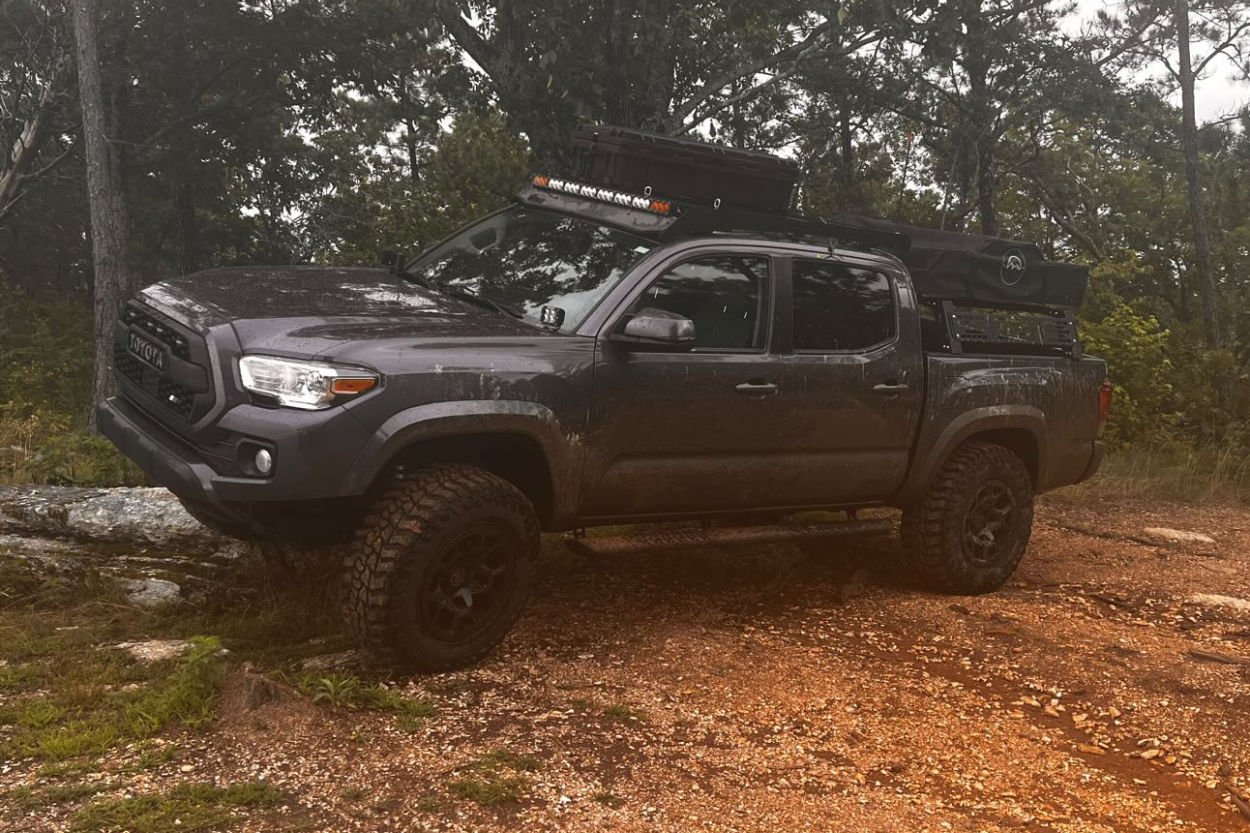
<point>105,198</point>
<point>1193,177</point>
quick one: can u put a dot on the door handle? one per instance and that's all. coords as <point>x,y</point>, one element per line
<point>756,388</point>
<point>890,389</point>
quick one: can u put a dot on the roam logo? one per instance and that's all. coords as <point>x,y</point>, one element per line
<point>1013,267</point>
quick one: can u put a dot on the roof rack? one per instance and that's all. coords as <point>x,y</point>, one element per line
<point>699,220</point>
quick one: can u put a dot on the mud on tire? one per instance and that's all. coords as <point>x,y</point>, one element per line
<point>441,568</point>
<point>969,531</point>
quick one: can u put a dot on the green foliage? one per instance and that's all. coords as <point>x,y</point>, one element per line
<point>376,204</point>
<point>84,717</point>
<point>1135,349</point>
<point>185,807</point>
<point>45,394</point>
<point>347,691</point>
<point>329,131</point>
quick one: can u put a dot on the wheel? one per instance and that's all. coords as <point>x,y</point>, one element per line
<point>968,532</point>
<point>441,568</point>
<point>225,528</point>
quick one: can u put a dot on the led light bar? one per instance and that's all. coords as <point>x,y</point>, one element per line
<point>592,192</point>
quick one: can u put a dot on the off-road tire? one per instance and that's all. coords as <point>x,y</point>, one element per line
<point>403,546</point>
<point>937,551</point>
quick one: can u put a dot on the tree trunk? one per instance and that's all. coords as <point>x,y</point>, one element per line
<point>184,217</point>
<point>846,152</point>
<point>105,199</point>
<point>1193,177</point>
<point>987,188</point>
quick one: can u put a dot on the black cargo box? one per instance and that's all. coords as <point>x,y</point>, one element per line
<point>975,270</point>
<point>684,170</point>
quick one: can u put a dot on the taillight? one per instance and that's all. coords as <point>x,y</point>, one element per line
<point>1104,405</point>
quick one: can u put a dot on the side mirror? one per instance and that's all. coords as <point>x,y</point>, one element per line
<point>657,326</point>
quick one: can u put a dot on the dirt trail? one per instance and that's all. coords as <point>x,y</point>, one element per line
<point>759,691</point>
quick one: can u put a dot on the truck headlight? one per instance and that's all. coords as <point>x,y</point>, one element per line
<point>308,385</point>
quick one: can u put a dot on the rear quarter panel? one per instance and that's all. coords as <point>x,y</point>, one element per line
<point>1054,399</point>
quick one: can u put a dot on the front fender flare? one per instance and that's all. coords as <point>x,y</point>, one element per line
<point>937,442</point>
<point>448,419</point>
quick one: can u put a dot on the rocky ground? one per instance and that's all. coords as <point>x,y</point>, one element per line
<point>1107,688</point>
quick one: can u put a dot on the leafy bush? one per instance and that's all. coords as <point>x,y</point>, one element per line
<point>1135,348</point>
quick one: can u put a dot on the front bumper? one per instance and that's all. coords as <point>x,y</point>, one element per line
<point>313,451</point>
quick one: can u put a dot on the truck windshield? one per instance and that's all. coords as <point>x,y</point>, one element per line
<point>528,259</point>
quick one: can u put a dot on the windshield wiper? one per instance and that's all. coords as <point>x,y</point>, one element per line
<point>482,301</point>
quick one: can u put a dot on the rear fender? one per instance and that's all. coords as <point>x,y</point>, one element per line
<point>937,442</point>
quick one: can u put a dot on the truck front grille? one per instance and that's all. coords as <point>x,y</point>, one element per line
<point>151,389</point>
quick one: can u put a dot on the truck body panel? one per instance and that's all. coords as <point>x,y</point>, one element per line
<point>626,431</point>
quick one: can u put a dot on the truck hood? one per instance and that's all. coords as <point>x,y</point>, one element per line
<point>313,309</point>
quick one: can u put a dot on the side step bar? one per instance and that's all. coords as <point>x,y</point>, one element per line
<point>692,537</point>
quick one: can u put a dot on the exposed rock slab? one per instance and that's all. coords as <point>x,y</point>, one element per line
<point>1213,599</point>
<point>142,538</point>
<point>151,516</point>
<point>1176,536</point>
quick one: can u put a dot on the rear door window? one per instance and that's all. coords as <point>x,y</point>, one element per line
<point>841,308</point>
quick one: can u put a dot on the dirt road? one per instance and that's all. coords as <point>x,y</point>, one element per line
<point>765,691</point>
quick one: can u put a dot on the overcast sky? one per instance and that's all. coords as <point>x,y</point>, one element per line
<point>1218,94</point>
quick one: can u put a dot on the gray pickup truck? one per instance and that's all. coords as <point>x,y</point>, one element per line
<point>587,357</point>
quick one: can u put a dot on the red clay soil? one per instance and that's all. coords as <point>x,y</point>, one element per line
<point>762,690</point>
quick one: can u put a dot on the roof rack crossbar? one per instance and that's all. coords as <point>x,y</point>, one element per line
<point>698,220</point>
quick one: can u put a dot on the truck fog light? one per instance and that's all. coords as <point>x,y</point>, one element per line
<point>264,461</point>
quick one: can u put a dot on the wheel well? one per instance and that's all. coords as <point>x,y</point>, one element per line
<point>517,458</point>
<point>1019,442</point>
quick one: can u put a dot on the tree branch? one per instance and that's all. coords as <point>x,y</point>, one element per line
<point>748,69</point>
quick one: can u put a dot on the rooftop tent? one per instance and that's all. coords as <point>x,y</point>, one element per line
<point>976,270</point>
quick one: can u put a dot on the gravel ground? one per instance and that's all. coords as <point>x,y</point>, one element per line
<point>760,690</point>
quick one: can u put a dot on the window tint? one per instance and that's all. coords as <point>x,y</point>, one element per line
<point>722,295</point>
<point>840,307</point>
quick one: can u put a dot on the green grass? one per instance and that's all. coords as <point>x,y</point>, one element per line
<point>353,792</point>
<point>347,691</point>
<point>607,799</point>
<point>493,780</point>
<point>89,709</point>
<point>1208,476</point>
<point>186,807</point>
<point>22,800</point>
<point>503,759</point>
<point>489,791</point>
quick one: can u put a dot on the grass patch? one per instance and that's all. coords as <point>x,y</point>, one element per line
<point>1214,476</point>
<point>25,799</point>
<point>24,586</point>
<point>494,780</point>
<point>89,711</point>
<point>429,803</point>
<point>353,793</point>
<point>607,799</point>
<point>622,711</point>
<point>503,759</point>
<point>347,691</point>
<point>186,807</point>
<point>489,792</point>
